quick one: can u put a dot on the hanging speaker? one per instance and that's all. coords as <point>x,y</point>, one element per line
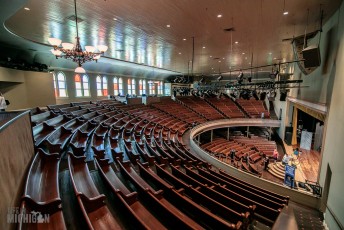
<point>311,54</point>
<point>283,96</point>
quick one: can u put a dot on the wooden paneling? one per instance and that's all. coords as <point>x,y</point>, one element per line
<point>16,154</point>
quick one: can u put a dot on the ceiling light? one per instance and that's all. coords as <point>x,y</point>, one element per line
<point>223,58</point>
<point>180,53</point>
<point>219,15</point>
<point>243,53</point>
<point>219,61</point>
<point>210,56</point>
<point>270,53</point>
<point>75,52</point>
<point>184,39</point>
<point>26,8</point>
<point>275,58</point>
<point>203,47</point>
<point>236,42</point>
<point>168,26</point>
<point>285,12</point>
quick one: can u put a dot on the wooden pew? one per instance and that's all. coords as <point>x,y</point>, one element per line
<point>140,217</point>
<point>41,193</point>
<point>91,202</point>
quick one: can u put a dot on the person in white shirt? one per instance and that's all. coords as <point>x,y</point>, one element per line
<point>285,159</point>
<point>3,104</point>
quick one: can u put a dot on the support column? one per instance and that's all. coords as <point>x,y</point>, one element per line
<point>294,138</point>
<point>248,130</point>
<point>211,136</point>
<point>228,134</point>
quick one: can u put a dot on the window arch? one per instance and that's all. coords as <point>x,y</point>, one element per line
<point>131,86</point>
<point>142,87</point>
<point>60,85</point>
<point>160,88</point>
<point>102,86</point>
<point>118,86</point>
<point>151,87</point>
<point>105,86</point>
<point>82,86</point>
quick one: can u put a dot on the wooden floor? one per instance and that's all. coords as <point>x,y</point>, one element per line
<point>309,160</point>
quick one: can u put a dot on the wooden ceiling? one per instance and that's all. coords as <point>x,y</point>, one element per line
<point>138,31</point>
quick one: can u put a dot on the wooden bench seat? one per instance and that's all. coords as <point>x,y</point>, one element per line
<point>140,216</point>
<point>58,139</point>
<point>39,118</point>
<point>255,195</point>
<point>78,143</point>
<point>51,221</point>
<point>91,202</point>
<point>41,191</point>
<point>41,132</point>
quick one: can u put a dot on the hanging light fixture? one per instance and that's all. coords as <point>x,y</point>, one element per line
<point>75,52</point>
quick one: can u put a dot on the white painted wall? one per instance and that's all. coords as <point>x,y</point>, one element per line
<point>326,86</point>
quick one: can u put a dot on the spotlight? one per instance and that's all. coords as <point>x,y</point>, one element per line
<point>219,78</point>
<point>202,80</point>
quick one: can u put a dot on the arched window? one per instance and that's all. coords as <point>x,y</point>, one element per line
<point>131,86</point>
<point>151,87</point>
<point>142,87</point>
<point>117,86</point>
<point>60,85</point>
<point>102,86</point>
<point>82,87</point>
<point>105,86</point>
<point>99,86</point>
<point>160,87</point>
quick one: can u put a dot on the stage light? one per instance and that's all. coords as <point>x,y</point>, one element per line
<point>220,78</point>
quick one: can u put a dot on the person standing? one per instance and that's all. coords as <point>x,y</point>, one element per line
<point>266,163</point>
<point>3,104</point>
<point>232,155</point>
<point>296,153</point>
<point>275,155</point>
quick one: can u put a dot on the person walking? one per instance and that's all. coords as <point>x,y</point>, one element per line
<point>3,104</point>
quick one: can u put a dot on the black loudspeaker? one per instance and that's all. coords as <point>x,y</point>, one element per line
<point>283,96</point>
<point>287,138</point>
<point>311,54</point>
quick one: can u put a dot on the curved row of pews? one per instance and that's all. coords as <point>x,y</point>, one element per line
<point>138,153</point>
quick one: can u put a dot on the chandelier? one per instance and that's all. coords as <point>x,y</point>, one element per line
<point>75,52</point>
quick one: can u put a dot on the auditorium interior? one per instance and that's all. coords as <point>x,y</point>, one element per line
<point>221,114</point>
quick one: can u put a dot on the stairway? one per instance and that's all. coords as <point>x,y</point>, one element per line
<point>241,108</point>
<point>277,170</point>
<point>212,105</point>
